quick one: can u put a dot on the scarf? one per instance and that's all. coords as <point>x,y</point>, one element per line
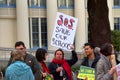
<point>44,67</point>
<point>65,65</point>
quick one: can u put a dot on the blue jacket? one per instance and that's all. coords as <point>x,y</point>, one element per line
<point>31,61</point>
<point>19,71</point>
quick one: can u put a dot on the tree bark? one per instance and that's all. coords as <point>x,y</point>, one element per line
<point>98,25</point>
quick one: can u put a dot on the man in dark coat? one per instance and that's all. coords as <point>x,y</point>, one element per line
<point>30,60</point>
<point>91,57</point>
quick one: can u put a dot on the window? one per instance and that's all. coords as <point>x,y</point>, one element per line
<point>37,3</point>
<point>3,2</point>
<point>38,32</point>
<point>70,3</point>
<point>7,3</point>
<point>61,3</point>
<point>34,2</point>
<point>35,32</point>
<point>117,23</point>
<point>65,3</point>
<point>44,32</point>
<point>116,2</point>
<point>43,3</point>
<point>12,3</point>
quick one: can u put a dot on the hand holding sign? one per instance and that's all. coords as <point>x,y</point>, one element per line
<point>72,47</point>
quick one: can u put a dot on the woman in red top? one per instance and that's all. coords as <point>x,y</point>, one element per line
<point>41,57</point>
<point>60,67</point>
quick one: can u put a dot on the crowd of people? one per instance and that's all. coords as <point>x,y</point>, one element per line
<point>24,66</point>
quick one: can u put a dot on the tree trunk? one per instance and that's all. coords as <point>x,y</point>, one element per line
<point>98,25</point>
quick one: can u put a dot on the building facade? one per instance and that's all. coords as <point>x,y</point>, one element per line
<point>32,21</point>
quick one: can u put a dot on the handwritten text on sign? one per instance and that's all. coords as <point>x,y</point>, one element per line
<point>64,31</point>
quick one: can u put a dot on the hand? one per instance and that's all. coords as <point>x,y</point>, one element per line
<point>44,74</point>
<point>51,76</point>
<point>59,69</point>
<point>112,70</point>
<point>86,78</point>
<point>72,47</point>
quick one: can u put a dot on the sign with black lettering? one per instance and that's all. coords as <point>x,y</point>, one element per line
<point>64,31</point>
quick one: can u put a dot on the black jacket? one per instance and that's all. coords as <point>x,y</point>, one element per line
<point>85,61</point>
<point>52,66</point>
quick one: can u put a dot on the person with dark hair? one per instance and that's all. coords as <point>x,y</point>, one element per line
<point>104,69</point>
<point>60,68</point>
<point>41,57</point>
<point>91,58</point>
<point>18,70</point>
<point>29,60</point>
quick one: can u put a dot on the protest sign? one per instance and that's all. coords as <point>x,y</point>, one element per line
<point>86,72</point>
<point>64,31</point>
<point>113,62</point>
<point>118,71</point>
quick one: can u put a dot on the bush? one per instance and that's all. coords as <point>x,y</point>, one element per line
<point>115,38</point>
<point>75,68</point>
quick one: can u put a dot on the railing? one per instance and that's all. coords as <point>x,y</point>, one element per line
<point>5,55</point>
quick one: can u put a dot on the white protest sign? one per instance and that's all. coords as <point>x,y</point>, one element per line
<point>64,31</point>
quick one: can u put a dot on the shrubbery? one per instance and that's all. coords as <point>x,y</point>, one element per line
<point>115,38</point>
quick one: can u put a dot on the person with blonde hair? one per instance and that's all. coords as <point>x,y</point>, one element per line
<point>18,69</point>
<point>29,59</point>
